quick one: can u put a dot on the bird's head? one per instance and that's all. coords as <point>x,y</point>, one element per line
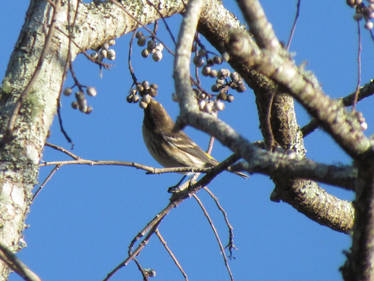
<point>155,114</point>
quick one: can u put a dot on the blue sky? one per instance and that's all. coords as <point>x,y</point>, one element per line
<point>82,222</point>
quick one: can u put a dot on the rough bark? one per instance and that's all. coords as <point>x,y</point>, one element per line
<point>301,194</point>
<point>96,23</point>
<point>20,155</point>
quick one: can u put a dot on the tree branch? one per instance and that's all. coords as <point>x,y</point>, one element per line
<point>365,91</point>
<point>341,125</point>
<point>259,25</point>
<point>340,213</point>
<point>278,164</point>
<point>17,265</point>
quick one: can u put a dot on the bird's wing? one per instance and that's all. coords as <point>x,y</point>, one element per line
<point>190,149</point>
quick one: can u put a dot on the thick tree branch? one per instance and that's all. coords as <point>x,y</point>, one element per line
<point>102,21</point>
<point>325,209</point>
<point>282,165</point>
<point>365,91</point>
<point>259,25</point>
<point>360,259</point>
<point>183,57</point>
<point>95,24</point>
<point>341,125</point>
<point>17,265</point>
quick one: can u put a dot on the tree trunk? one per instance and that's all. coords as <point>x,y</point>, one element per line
<point>20,154</point>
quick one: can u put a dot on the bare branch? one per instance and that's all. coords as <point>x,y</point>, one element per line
<point>17,265</point>
<point>230,245</point>
<point>183,57</point>
<point>142,271</point>
<point>279,164</point>
<point>136,252</point>
<point>294,25</point>
<point>359,263</point>
<point>148,169</point>
<point>175,200</point>
<point>359,52</point>
<point>365,91</point>
<point>292,192</point>
<point>171,254</point>
<point>118,4</point>
<point>47,179</point>
<point>258,24</point>
<point>164,21</point>
<point>341,125</point>
<point>215,235</point>
<point>63,150</point>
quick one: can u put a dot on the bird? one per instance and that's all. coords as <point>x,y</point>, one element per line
<point>171,148</point>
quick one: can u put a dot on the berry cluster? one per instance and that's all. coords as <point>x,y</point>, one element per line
<point>207,104</point>
<point>81,101</point>
<point>225,80</point>
<point>152,46</point>
<point>211,103</point>
<point>363,11</point>
<point>105,52</point>
<point>142,90</point>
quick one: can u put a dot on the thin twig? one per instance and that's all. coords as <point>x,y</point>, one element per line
<point>210,145</point>
<point>75,78</point>
<point>66,66</point>
<point>175,200</point>
<point>155,28</point>
<point>100,63</point>
<point>131,69</point>
<point>294,25</point>
<point>205,180</point>
<point>211,142</point>
<point>366,91</point>
<point>230,245</point>
<point>50,175</point>
<point>63,150</point>
<point>164,21</point>
<point>358,66</point>
<point>215,234</point>
<point>371,35</point>
<point>142,271</point>
<point>62,127</point>
<point>140,24</point>
<point>133,254</point>
<point>153,35</point>
<point>170,252</point>
<point>148,169</point>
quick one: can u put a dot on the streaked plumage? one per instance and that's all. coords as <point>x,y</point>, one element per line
<point>169,148</point>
